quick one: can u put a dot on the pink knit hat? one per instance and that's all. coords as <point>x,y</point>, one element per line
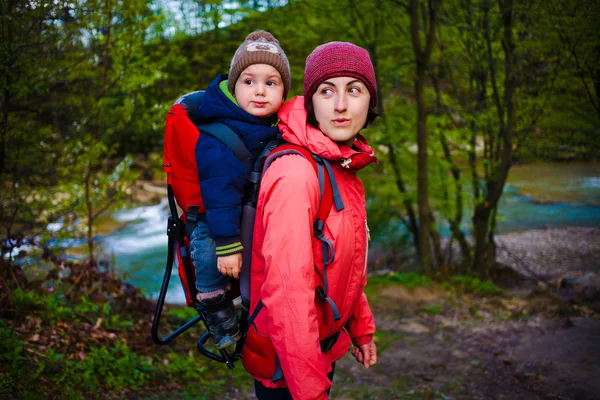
<point>335,59</point>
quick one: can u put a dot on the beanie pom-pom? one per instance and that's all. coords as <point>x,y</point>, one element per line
<point>260,34</point>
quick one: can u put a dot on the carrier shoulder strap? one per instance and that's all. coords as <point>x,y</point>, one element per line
<point>329,193</point>
<point>229,138</point>
<point>223,133</point>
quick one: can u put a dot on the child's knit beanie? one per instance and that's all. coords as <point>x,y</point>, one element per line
<point>335,59</point>
<point>260,47</point>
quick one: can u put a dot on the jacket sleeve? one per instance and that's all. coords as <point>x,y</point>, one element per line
<point>291,196</point>
<point>222,181</point>
<point>361,324</point>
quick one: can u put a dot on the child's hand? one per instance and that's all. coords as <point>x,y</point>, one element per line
<point>230,265</point>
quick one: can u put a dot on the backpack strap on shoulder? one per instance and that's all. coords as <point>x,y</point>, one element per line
<point>329,195</point>
<point>192,102</point>
<point>229,138</point>
<point>328,188</point>
<point>337,198</point>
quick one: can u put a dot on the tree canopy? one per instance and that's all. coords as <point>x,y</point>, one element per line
<point>466,88</point>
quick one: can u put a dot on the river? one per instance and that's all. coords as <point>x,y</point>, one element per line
<point>536,196</point>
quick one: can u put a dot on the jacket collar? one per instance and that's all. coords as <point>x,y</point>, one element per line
<point>217,105</point>
<point>294,129</point>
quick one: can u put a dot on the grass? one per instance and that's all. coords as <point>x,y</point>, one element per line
<point>404,279</point>
<point>384,338</point>
<point>469,284</point>
<point>462,283</point>
<point>433,310</point>
<point>91,340</point>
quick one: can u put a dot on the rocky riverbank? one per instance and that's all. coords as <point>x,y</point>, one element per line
<point>551,253</point>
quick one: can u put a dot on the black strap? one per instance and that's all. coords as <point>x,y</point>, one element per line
<point>229,138</point>
<point>320,177</point>
<point>192,102</point>
<point>328,257</point>
<point>325,344</point>
<point>337,197</point>
<point>329,341</point>
<point>190,221</point>
<point>257,309</point>
<point>177,230</point>
<point>278,374</point>
<point>334,310</point>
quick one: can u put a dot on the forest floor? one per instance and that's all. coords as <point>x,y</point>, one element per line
<point>534,341</point>
<point>433,345</point>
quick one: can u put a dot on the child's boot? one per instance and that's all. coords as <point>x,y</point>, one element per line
<point>221,318</point>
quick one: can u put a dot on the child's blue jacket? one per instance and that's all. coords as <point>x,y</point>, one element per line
<point>223,177</point>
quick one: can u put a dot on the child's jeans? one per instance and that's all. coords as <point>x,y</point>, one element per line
<point>202,248</point>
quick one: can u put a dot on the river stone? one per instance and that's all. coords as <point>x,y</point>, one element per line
<point>586,286</point>
<point>413,327</point>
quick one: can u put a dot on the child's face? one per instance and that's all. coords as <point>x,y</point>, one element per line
<point>259,90</point>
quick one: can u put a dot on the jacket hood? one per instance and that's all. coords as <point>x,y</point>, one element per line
<point>296,130</point>
<point>217,107</point>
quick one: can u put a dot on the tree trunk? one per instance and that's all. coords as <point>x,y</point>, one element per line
<point>89,214</point>
<point>422,56</point>
<point>412,223</point>
<point>6,85</point>
<point>425,217</point>
<point>502,148</point>
<point>4,128</point>
<point>481,256</point>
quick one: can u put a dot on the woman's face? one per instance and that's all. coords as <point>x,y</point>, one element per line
<point>341,106</point>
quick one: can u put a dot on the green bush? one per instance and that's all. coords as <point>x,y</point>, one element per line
<point>409,279</point>
<point>52,307</point>
<point>433,310</point>
<point>12,358</point>
<point>85,306</point>
<point>26,300</point>
<point>469,284</point>
<point>116,368</point>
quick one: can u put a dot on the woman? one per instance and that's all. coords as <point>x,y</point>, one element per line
<point>340,95</point>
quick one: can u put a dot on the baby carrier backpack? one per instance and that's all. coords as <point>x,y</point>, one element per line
<point>183,190</point>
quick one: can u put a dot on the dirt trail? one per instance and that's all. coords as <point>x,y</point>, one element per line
<point>438,345</point>
<point>481,356</point>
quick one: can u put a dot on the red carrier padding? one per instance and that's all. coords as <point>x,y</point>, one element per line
<point>179,162</point>
<point>179,158</point>
<point>184,277</point>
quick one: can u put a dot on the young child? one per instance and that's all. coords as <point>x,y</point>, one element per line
<point>247,102</point>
